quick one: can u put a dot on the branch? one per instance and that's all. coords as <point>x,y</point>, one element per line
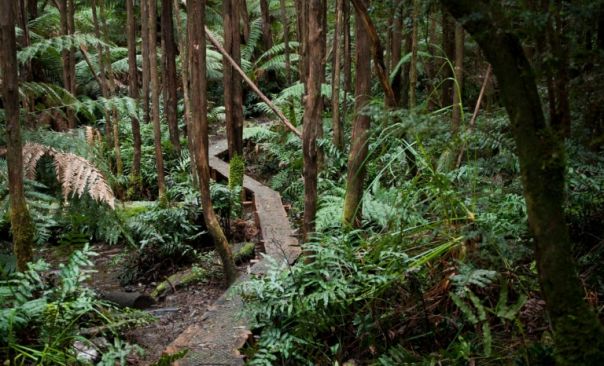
<point>264,98</point>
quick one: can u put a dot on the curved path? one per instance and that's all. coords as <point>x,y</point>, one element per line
<point>222,331</point>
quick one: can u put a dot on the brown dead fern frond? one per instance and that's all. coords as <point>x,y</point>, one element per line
<point>93,136</point>
<point>75,174</point>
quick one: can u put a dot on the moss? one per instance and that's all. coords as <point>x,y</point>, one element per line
<point>180,279</point>
<point>23,236</point>
<point>244,253</point>
<point>571,333</point>
<point>236,171</point>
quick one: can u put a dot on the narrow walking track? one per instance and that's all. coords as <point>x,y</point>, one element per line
<point>223,330</point>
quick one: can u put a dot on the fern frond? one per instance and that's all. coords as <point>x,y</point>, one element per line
<point>59,44</point>
<point>74,173</point>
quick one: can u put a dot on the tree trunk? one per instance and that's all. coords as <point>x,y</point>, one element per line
<point>102,74</point>
<point>458,90</point>
<point>448,45</point>
<point>377,51</point>
<point>197,64</point>
<point>21,224</point>
<point>313,111</point>
<point>578,334</point>
<point>133,92</point>
<point>233,96</point>
<point>347,50</point>
<point>267,33</point>
<point>67,10</point>
<point>360,129</point>
<point>144,4</point>
<point>32,9</point>
<point>159,160</point>
<point>169,75</point>
<point>301,11</point>
<point>413,66</point>
<point>338,128</point>
<point>245,17</point>
<point>285,21</point>
<point>396,52</point>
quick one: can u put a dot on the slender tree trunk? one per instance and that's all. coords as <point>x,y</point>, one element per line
<point>245,17</point>
<point>159,160</point>
<point>578,334</point>
<point>133,92</point>
<point>346,53</point>
<point>184,59</point>
<point>32,9</point>
<point>144,4</point>
<point>413,66</point>
<point>27,71</point>
<point>233,96</point>
<point>448,45</point>
<point>396,51</point>
<point>267,33</point>
<point>302,12</point>
<point>360,130</point>
<point>169,75</point>
<point>285,21</point>
<point>66,10</point>
<point>21,224</point>
<point>338,128</point>
<point>197,63</point>
<point>313,111</point>
<point>102,74</point>
<point>406,69</point>
<point>458,89</point>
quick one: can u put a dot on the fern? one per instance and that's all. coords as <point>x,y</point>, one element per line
<point>74,173</point>
<point>59,44</point>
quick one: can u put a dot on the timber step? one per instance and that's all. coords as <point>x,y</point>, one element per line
<point>223,331</point>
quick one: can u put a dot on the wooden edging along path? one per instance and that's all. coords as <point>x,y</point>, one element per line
<point>223,331</point>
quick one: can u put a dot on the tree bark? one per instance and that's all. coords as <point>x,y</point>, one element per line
<point>578,334</point>
<point>360,129</point>
<point>448,45</point>
<point>66,11</point>
<point>313,111</point>
<point>396,48</point>
<point>377,51</point>
<point>197,63</point>
<point>338,128</point>
<point>159,160</point>
<point>413,65</point>
<point>267,33</point>
<point>21,224</point>
<point>169,75</point>
<point>145,64</point>
<point>458,89</point>
<point>233,95</point>
<point>245,17</point>
<point>285,21</point>
<point>133,91</point>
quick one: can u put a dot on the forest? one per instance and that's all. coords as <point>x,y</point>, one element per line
<point>301,182</point>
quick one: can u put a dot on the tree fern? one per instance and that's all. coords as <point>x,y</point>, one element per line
<point>59,44</point>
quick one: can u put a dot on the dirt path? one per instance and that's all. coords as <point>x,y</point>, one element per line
<point>219,334</point>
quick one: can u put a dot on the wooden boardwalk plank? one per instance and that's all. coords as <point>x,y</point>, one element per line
<point>216,340</point>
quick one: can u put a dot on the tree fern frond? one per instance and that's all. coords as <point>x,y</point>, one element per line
<point>58,44</point>
<point>74,173</point>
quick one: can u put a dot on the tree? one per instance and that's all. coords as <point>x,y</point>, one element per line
<point>67,11</point>
<point>169,74</point>
<point>338,128</point>
<point>413,66</point>
<point>159,160</point>
<point>233,95</point>
<point>133,91</point>
<point>578,334</point>
<point>21,224</point>
<point>198,104</point>
<point>458,90</point>
<point>360,130</point>
<point>144,4</point>
<point>313,112</point>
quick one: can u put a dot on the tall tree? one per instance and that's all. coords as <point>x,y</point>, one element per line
<point>285,21</point>
<point>169,74</point>
<point>67,11</point>
<point>133,91</point>
<point>313,112</point>
<point>414,46</point>
<point>458,90</point>
<point>245,19</point>
<point>21,224</point>
<point>267,33</point>
<point>448,46</point>
<point>360,129</point>
<point>233,95</point>
<point>144,5</point>
<point>338,128</point>
<point>578,334</point>
<point>159,160</point>
<point>396,52</point>
<point>197,64</point>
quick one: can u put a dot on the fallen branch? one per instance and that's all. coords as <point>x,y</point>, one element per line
<point>255,88</point>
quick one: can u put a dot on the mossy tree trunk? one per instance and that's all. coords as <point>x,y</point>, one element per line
<point>360,130</point>
<point>20,219</point>
<point>313,112</point>
<point>579,336</point>
<point>199,118</point>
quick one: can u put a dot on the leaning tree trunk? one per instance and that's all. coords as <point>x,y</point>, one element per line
<point>197,64</point>
<point>233,95</point>
<point>159,160</point>
<point>21,225</point>
<point>578,334</point>
<point>313,111</point>
<point>360,129</point>
<point>169,75</point>
<point>133,92</point>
